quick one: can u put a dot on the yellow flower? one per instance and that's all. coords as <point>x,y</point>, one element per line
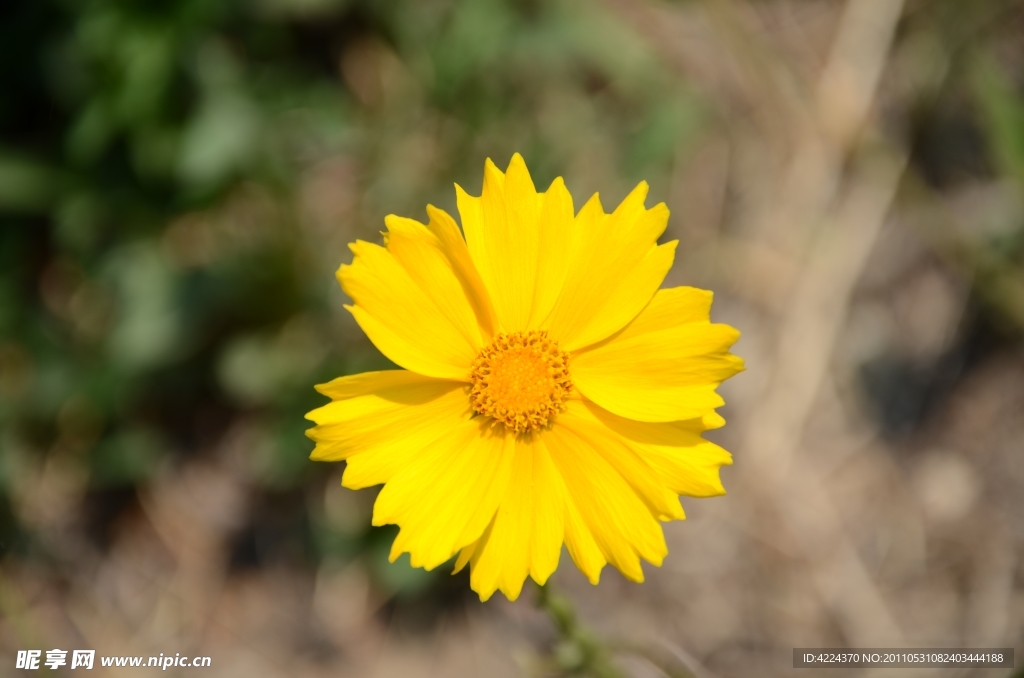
<point>551,392</point>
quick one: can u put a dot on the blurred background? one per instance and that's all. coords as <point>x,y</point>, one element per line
<point>179,180</point>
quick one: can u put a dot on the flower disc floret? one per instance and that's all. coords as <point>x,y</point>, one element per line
<point>520,379</point>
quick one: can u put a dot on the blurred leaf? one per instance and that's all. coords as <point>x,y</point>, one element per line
<point>147,331</point>
<point>1003,109</point>
<point>25,185</point>
<point>126,458</point>
<point>220,139</point>
<point>659,139</point>
<point>91,133</point>
<point>77,220</point>
<point>257,369</point>
<point>300,8</point>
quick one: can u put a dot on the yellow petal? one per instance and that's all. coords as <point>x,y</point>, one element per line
<point>455,249</point>
<point>420,253</point>
<point>685,463</point>
<point>582,546</point>
<point>466,554</point>
<point>380,419</point>
<point>662,502</point>
<point>670,308</point>
<point>606,251</point>
<point>526,535</point>
<point>632,294</point>
<point>447,492</point>
<point>519,240</point>
<point>368,383</point>
<point>656,369</point>
<point>555,237</point>
<point>712,420</point>
<point>401,319</point>
<point>618,520</point>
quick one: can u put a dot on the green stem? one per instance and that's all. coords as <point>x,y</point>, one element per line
<point>578,652</point>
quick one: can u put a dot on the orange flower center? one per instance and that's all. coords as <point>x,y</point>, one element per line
<point>521,379</point>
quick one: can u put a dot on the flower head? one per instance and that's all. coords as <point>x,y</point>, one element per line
<point>551,392</point>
